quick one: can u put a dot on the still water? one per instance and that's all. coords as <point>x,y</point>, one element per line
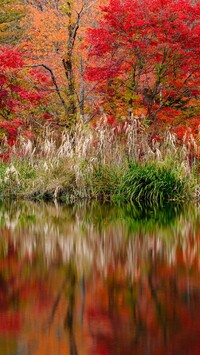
<point>99,280</point>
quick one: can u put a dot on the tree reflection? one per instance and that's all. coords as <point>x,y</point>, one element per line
<point>69,318</point>
<point>101,280</point>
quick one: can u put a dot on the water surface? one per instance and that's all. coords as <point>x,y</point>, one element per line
<point>99,280</point>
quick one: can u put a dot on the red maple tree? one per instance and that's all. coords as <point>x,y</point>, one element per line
<point>147,59</point>
<point>21,93</point>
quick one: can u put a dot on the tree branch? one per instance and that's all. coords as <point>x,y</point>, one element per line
<point>54,82</point>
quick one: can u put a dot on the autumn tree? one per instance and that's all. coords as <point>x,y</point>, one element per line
<point>11,13</point>
<point>55,36</point>
<point>146,55</point>
<point>75,14</point>
<point>23,93</point>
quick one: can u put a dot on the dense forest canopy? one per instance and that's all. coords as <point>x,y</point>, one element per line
<point>63,62</point>
<point>147,58</point>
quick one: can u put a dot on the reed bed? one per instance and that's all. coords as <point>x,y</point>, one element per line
<point>101,163</point>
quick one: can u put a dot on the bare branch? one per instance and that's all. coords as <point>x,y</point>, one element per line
<point>54,82</point>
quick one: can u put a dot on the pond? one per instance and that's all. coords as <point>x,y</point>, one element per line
<point>99,279</point>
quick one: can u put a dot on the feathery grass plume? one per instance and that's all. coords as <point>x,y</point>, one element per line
<point>97,164</point>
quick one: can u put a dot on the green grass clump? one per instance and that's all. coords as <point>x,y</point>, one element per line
<point>105,181</point>
<point>51,179</point>
<point>153,183</point>
<point>14,176</point>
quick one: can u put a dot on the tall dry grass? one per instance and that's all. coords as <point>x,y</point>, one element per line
<point>93,163</point>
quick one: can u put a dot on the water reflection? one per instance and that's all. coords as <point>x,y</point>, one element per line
<point>99,279</point>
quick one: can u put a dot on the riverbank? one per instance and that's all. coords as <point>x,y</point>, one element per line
<point>100,165</point>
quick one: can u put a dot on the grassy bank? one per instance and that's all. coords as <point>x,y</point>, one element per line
<point>98,164</point>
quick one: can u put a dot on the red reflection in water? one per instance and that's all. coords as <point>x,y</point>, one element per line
<point>58,310</point>
<point>10,322</point>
